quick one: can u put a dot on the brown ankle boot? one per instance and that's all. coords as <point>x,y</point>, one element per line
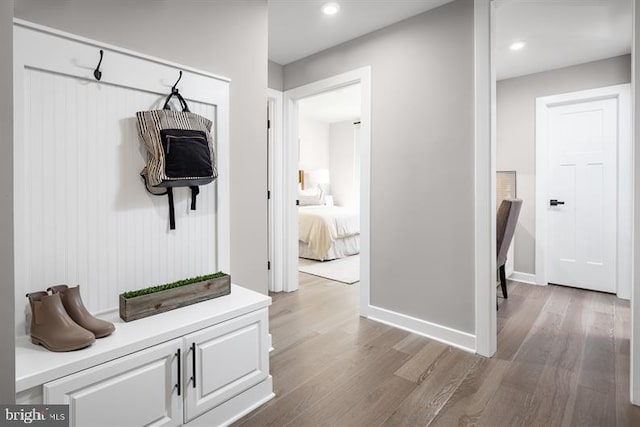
<point>52,327</point>
<point>75,307</point>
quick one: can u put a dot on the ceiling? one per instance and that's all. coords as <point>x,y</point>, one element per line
<point>335,106</point>
<point>558,33</point>
<point>298,28</point>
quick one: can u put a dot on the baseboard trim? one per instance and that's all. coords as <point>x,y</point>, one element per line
<point>452,337</point>
<point>509,272</point>
<point>527,278</point>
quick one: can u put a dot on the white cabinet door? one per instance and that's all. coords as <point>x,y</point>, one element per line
<point>136,390</point>
<point>229,358</point>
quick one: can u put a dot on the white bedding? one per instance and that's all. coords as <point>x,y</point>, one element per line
<point>340,248</point>
<point>320,226</point>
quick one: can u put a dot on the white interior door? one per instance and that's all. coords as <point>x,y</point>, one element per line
<point>582,194</point>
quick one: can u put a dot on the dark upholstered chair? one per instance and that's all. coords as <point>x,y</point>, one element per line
<point>506,220</point>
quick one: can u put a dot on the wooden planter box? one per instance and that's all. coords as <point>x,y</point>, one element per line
<point>159,302</point>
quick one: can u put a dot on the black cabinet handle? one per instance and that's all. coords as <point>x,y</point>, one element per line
<point>179,385</point>
<point>193,354</point>
<point>554,202</point>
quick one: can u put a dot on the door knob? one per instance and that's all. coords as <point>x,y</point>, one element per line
<point>554,202</point>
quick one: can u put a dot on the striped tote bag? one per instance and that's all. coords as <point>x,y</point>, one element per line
<point>180,151</point>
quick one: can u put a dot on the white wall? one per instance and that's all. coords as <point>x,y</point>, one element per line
<point>422,159</point>
<point>214,42</point>
<point>516,132</point>
<point>342,152</point>
<point>106,233</point>
<point>314,144</point>
<point>276,78</point>
<point>7,349</point>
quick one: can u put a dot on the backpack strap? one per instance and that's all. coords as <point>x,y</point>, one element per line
<point>194,193</point>
<point>172,213</point>
<point>183,103</point>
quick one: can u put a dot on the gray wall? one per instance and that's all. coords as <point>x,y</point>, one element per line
<point>422,159</point>
<point>212,40</point>
<point>276,77</point>
<point>7,349</point>
<point>516,111</point>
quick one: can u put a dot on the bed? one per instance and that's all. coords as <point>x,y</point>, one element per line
<point>328,232</point>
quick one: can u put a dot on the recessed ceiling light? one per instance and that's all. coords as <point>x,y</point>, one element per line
<point>330,8</point>
<point>517,45</point>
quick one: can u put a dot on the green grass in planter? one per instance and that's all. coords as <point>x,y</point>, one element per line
<point>154,289</point>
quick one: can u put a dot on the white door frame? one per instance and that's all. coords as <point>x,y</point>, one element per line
<point>635,290</point>
<point>622,93</point>
<point>275,206</point>
<point>485,179</point>
<point>290,180</point>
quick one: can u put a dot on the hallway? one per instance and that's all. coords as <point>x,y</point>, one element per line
<point>563,359</point>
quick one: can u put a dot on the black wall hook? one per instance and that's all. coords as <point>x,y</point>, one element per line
<point>97,73</point>
<point>174,89</point>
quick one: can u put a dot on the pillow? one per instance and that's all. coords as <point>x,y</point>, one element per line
<point>312,196</point>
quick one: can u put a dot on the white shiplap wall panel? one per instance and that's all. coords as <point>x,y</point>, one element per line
<point>88,219</point>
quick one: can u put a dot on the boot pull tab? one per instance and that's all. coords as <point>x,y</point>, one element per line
<point>33,295</point>
<point>57,289</point>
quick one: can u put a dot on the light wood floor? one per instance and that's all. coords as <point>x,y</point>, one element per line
<point>563,359</point>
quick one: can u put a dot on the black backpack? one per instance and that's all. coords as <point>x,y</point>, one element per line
<point>180,151</point>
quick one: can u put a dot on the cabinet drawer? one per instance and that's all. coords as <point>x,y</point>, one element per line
<point>229,358</point>
<point>135,390</point>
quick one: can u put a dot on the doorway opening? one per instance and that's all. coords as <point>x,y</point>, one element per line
<point>562,128</point>
<point>329,184</point>
<point>563,143</point>
<point>324,168</point>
